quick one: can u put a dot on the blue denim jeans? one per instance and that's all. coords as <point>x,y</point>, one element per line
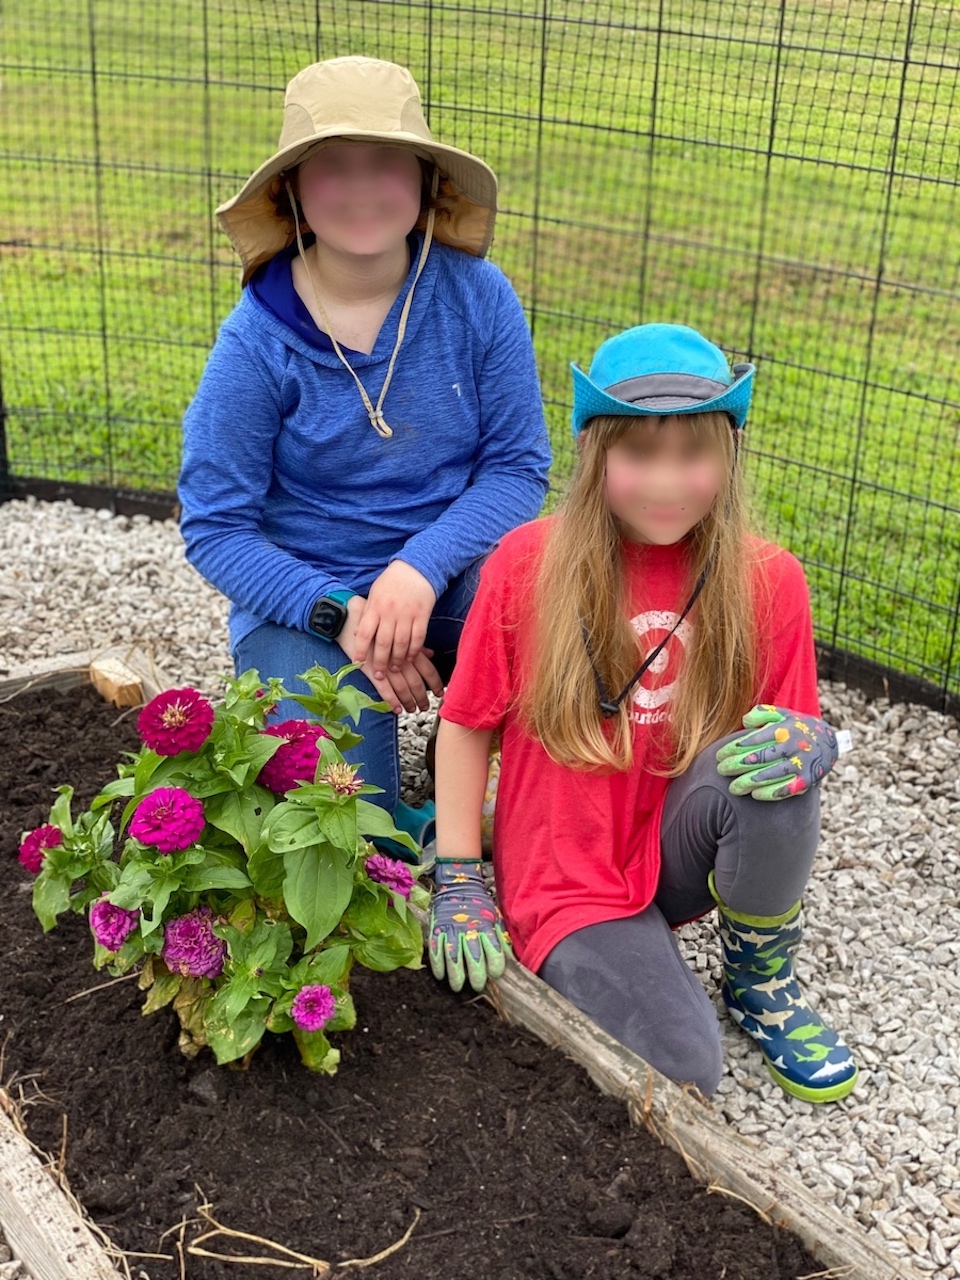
<point>280,651</point>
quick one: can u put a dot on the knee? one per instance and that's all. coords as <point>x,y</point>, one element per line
<point>697,1059</point>
<point>704,1066</point>
<point>787,819</point>
<point>687,1049</point>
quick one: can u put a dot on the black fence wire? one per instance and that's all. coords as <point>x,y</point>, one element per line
<point>783,177</point>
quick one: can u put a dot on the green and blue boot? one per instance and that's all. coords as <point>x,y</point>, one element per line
<point>761,991</point>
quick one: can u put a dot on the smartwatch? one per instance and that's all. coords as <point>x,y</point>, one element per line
<point>329,614</point>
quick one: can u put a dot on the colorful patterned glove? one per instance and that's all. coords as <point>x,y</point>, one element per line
<point>787,754</point>
<point>467,934</point>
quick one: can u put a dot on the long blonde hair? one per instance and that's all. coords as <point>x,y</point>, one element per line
<point>581,583</point>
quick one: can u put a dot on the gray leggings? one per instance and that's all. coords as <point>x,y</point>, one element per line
<point>628,975</point>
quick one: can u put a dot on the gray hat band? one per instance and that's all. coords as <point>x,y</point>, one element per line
<point>667,390</point>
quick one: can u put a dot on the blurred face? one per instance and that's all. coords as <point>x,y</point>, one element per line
<point>360,198</point>
<point>662,478</point>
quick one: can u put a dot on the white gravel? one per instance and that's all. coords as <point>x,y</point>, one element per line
<point>10,1269</point>
<point>882,951</point>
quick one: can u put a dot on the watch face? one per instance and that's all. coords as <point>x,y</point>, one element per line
<point>327,618</point>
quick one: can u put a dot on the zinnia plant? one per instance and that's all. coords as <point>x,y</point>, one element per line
<point>239,877</point>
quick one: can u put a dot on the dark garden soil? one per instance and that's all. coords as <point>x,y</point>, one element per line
<point>520,1167</point>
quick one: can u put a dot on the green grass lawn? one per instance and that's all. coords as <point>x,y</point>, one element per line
<point>792,192</point>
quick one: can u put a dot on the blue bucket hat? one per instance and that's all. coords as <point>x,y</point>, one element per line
<point>654,370</point>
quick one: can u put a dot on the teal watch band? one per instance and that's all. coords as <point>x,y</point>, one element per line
<point>341,597</point>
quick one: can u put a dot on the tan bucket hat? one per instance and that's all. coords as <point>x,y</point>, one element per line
<point>358,99</point>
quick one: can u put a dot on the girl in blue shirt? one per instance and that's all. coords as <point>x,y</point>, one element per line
<point>369,422</point>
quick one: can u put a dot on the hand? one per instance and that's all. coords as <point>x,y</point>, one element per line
<point>405,689</point>
<point>394,623</point>
<point>468,938</point>
<point>787,754</point>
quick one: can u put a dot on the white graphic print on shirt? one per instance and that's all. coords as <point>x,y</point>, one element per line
<point>650,703</point>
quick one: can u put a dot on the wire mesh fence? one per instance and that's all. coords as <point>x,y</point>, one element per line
<point>782,176</point>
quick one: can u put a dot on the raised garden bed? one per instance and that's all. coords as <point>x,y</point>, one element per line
<point>510,1160</point>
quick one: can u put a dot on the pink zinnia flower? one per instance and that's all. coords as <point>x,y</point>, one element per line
<point>111,925</point>
<point>34,846</point>
<point>396,875</point>
<point>296,760</point>
<point>176,720</point>
<point>191,948</point>
<point>169,818</point>
<point>313,1007</point>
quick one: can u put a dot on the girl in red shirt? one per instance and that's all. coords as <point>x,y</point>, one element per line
<point>620,649</point>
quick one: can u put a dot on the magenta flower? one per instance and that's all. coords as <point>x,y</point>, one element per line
<point>313,1007</point>
<point>296,760</point>
<point>169,818</point>
<point>176,720</point>
<point>111,925</point>
<point>394,874</point>
<point>34,846</point>
<point>191,948</point>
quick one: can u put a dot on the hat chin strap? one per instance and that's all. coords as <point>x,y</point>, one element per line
<point>374,412</point>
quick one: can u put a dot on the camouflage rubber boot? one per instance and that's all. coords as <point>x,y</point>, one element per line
<point>761,991</point>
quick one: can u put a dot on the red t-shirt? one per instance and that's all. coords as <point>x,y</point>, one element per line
<point>573,847</point>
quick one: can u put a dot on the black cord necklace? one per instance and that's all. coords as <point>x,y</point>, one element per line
<point>611,706</point>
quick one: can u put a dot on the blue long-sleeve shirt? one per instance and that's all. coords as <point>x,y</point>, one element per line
<point>287,491</point>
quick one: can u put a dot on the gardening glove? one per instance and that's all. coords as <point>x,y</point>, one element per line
<point>468,938</point>
<point>787,754</point>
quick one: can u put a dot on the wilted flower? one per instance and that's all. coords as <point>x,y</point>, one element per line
<point>169,818</point>
<point>111,925</point>
<point>313,1007</point>
<point>176,720</point>
<point>191,948</point>
<point>342,777</point>
<point>393,873</point>
<point>34,846</point>
<point>296,760</point>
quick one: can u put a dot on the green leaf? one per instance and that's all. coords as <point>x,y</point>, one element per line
<point>338,823</point>
<point>232,998</point>
<point>291,826</point>
<point>343,736</point>
<point>160,894</point>
<point>420,897</point>
<point>115,790</point>
<point>402,947</point>
<point>51,897</point>
<point>329,967</point>
<point>353,701</point>
<point>217,871</point>
<point>232,1040</point>
<point>104,876</point>
<point>265,868</point>
<point>243,759</point>
<point>315,1051</point>
<point>240,815</point>
<point>257,956</point>
<point>130,953</point>
<point>147,766</point>
<point>374,821</point>
<point>368,914</point>
<point>134,884</point>
<point>345,1018</point>
<point>163,989</point>
<point>60,813</point>
<point>244,915</point>
<point>317,888</point>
